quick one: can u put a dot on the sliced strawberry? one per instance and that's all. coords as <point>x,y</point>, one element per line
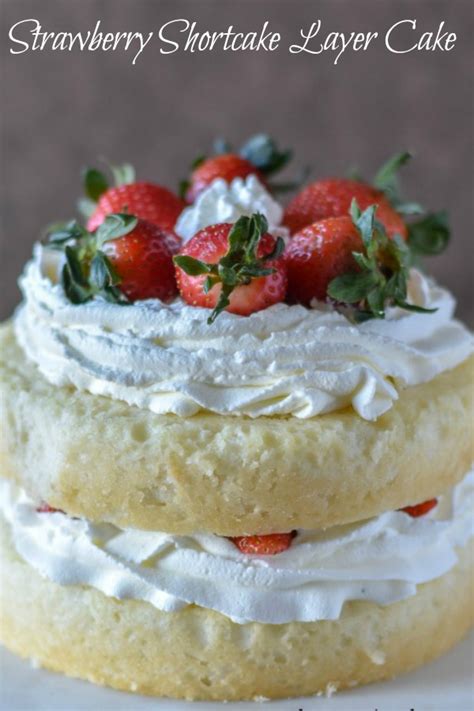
<point>237,267</point>
<point>270,544</point>
<point>46,508</point>
<point>420,509</point>
<point>318,254</point>
<point>333,197</point>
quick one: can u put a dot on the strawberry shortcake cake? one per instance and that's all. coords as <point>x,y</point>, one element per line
<point>236,438</point>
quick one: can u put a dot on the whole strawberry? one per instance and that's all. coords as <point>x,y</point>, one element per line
<point>237,268</point>
<point>259,156</point>
<point>147,201</point>
<point>319,253</point>
<point>353,262</point>
<point>270,544</point>
<point>143,262</point>
<point>126,259</point>
<point>227,167</point>
<point>333,197</point>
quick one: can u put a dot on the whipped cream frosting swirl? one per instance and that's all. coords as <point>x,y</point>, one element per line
<point>226,202</point>
<point>284,360</point>
<point>381,560</point>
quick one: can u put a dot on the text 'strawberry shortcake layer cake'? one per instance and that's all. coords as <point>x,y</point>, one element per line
<point>236,438</point>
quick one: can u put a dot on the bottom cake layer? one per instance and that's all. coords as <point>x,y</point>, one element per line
<point>200,654</point>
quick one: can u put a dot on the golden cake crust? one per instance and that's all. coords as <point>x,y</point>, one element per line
<point>104,460</point>
<point>200,654</point>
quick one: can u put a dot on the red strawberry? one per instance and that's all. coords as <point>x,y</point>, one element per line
<point>233,267</point>
<point>318,254</point>
<point>143,262</point>
<point>147,201</point>
<point>46,508</point>
<point>420,509</point>
<point>227,166</point>
<point>333,197</point>
<point>270,544</point>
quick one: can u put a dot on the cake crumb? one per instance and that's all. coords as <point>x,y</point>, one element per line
<point>34,663</point>
<point>133,686</point>
<point>331,689</point>
<point>261,699</point>
<point>377,657</point>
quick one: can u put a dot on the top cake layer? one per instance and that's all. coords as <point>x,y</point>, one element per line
<point>278,391</point>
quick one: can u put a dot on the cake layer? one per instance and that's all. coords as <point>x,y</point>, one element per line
<point>200,654</point>
<point>382,560</point>
<point>107,461</point>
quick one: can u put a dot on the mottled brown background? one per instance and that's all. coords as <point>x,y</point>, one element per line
<point>62,110</point>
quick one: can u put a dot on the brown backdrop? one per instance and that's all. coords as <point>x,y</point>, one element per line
<point>63,110</point>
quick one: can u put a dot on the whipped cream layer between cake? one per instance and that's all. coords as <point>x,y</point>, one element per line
<point>284,360</point>
<point>382,560</point>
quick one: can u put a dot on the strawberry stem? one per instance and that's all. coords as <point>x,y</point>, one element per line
<point>239,265</point>
<point>382,277</point>
<point>87,271</point>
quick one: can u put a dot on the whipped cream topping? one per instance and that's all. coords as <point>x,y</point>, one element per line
<point>284,360</point>
<point>226,202</point>
<point>381,560</point>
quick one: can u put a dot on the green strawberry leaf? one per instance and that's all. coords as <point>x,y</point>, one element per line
<point>376,302</point>
<point>352,287</point>
<point>383,271</point>
<point>364,222</point>
<point>386,178</point>
<point>75,267</point>
<point>115,226</point>
<point>183,188</point>
<point>123,174</point>
<point>239,265</point>
<point>221,146</point>
<point>193,267</point>
<point>222,303</point>
<point>59,233</point>
<point>430,235</point>
<point>198,161</point>
<point>353,173</point>
<point>102,272</point>
<point>87,271</point>
<point>104,279</point>
<point>409,208</point>
<point>86,207</point>
<point>263,152</point>
<point>413,307</point>
<point>74,279</point>
<point>114,295</point>
<point>95,183</point>
<point>427,236</point>
<point>286,187</point>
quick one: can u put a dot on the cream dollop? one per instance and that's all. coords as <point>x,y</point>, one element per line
<point>284,360</point>
<point>381,560</point>
<point>226,202</point>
